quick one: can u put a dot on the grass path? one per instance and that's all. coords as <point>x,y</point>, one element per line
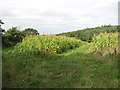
<point>73,69</point>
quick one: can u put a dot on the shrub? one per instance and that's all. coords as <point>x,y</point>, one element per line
<point>11,37</point>
<point>5,40</point>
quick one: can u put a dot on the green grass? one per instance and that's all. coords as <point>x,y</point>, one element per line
<point>76,68</point>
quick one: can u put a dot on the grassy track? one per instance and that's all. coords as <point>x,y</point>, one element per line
<point>78,68</point>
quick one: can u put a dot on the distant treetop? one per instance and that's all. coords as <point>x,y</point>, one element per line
<point>1,30</point>
<point>1,22</point>
<point>30,31</point>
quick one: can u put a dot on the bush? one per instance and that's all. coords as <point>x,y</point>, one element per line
<point>12,37</point>
<point>5,40</point>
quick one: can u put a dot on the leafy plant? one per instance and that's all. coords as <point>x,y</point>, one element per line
<point>46,44</point>
<point>105,40</point>
<point>12,37</point>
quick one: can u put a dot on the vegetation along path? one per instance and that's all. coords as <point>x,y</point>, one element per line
<point>76,68</point>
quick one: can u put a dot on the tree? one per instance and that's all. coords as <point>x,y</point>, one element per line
<point>16,34</point>
<point>1,30</point>
<point>12,37</point>
<point>1,22</point>
<point>30,31</point>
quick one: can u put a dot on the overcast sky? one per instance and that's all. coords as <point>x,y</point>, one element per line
<point>56,16</point>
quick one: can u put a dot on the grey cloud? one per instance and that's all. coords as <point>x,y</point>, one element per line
<point>65,17</point>
<point>7,13</point>
<point>54,14</point>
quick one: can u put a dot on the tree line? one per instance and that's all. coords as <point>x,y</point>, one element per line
<point>12,36</point>
<point>88,33</point>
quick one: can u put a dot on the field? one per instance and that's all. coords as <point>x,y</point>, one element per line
<point>46,44</point>
<point>88,33</point>
<point>62,62</point>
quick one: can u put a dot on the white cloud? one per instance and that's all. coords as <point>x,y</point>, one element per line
<point>58,15</point>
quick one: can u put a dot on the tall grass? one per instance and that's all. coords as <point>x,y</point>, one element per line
<point>45,44</point>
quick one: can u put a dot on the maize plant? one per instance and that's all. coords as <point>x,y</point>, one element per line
<point>105,40</point>
<point>46,44</point>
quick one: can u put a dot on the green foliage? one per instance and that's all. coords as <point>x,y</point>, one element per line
<point>5,40</point>
<point>1,30</point>
<point>39,45</point>
<point>105,40</point>
<point>72,69</point>
<point>30,31</point>
<point>87,34</point>
<point>1,22</point>
<point>11,37</point>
